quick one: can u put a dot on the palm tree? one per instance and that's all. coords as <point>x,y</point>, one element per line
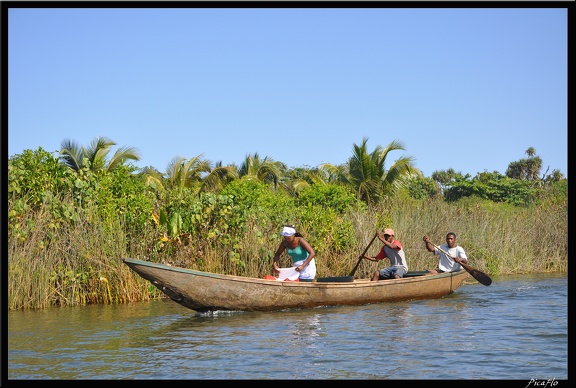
<point>526,168</point>
<point>94,157</point>
<point>266,170</point>
<point>152,177</point>
<point>183,173</point>
<point>297,179</point>
<point>365,171</point>
<point>196,172</point>
<point>218,177</point>
<point>445,177</point>
<point>121,155</point>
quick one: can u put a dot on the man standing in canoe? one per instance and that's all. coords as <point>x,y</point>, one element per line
<point>392,249</point>
<point>301,252</point>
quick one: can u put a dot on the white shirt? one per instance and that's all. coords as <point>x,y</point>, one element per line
<point>446,264</point>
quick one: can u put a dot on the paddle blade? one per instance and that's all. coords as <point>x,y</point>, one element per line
<point>478,275</point>
<point>481,277</point>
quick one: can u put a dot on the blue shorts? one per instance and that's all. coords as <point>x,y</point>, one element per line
<point>389,272</point>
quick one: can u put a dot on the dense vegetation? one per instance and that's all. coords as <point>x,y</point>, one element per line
<point>72,217</point>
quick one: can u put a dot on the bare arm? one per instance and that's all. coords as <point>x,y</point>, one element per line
<point>429,245</point>
<point>279,251</point>
<point>391,245</point>
<point>461,259</point>
<point>457,259</point>
<point>373,258</point>
<point>377,258</point>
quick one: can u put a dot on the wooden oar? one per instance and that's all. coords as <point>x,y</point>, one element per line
<point>478,275</point>
<point>362,255</point>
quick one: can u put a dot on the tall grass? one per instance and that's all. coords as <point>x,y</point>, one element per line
<point>498,238</point>
<point>80,263</point>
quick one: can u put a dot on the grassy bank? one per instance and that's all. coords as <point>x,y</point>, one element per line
<point>80,263</point>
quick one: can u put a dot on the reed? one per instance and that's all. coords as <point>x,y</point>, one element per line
<point>80,263</point>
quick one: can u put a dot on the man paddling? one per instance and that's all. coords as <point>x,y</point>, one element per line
<point>447,263</point>
<point>392,249</point>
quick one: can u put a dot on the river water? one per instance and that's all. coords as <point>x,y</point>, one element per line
<point>515,329</point>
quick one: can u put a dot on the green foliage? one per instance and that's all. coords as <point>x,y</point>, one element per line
<point>133,201</point>
<point>326,229</point>
<point>422,188</point>
<point>255,207</point>
<point>555,192</point>
<point>95,156</point>
<point>332,197</point>
<point>36,177</point>
<point>486,256</point>
<point>115,195</point>
<point>211,221</point>
<point>366,175</point>
<point>526,169</point>
<point>266,170</point>
<point>67,228</point>
<point>493,186</point>
<point>37,180</point>
<point>383,219</point>
<point>209,216</point>
<point>188,217</point>
<point>445,177</point>
<point>254,200</point>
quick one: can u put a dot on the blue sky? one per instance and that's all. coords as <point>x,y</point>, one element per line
<point>464,88</point>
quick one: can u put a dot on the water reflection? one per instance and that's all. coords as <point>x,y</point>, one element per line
<point>513,329</point>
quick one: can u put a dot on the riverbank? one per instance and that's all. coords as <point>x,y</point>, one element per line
<point>81,263</point>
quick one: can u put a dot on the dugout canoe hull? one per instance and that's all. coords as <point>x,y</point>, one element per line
<point>204,291</point>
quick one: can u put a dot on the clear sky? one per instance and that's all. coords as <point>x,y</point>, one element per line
<point>464,88</point>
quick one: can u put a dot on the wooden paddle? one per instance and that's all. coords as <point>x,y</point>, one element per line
<point>362,255</point>
<point>478,275</point>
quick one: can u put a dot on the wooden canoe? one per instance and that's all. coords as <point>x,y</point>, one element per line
<point>204,291</point>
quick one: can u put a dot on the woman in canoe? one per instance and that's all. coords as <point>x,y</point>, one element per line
<point>301,252</point>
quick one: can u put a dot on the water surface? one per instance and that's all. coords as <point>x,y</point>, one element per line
<point>517,328</point>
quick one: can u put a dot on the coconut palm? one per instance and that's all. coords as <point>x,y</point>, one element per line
<point>183,173</point>
<point>366,174</point>
<point>94,157</point>
<point>218,177</point>
<point>152,177</point>
<point>266,170</point>
<point>297,179</point>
